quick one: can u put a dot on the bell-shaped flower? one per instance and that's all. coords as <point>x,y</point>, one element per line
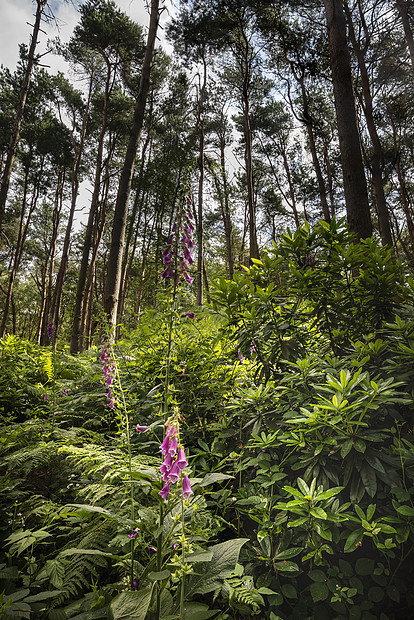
<point>165,491</point>
<point>165,446</point>
<point>187,491</point>
<point>172,449</point>
<point>141,429</point>
<point>174,473</point>
<point>181,460</point>
<point>171,430</point>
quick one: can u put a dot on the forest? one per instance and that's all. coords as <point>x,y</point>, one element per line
<point>207,313</point>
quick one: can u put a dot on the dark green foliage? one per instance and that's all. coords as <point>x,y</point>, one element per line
<point>297,413</point>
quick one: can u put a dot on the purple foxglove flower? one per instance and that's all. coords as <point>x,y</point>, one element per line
<point>165,491</point>
<point>135,582</point>
<point>181,460</point>
<point>189,279</point>
<point>141,429</point>
<point>111,403</point>
<point>190,315</point>
<point>171,431</point>
<point>166,466</point>
<point>174,473</point>
<point>173,445</point>
<point>187,256</point>
<point>186,487</point>
<point>240,356</point>
<point>50,331</point>
<point>165,446</point>
<point>109,381</point>
<point>45,396</point>
<point>152,550</point>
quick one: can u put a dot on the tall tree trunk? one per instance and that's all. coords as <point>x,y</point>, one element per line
<point>312,145</point>
<point>23,229</point>
<point>200,223</point>
<point>377,162</point>
<point>4,188</point>
<point>50,260</point>
<point>64,261</point>
<point>76,344</point>
<point>113,280</point>
<point>355,186</point>
<point>403,11</point>
<point>248,158</point>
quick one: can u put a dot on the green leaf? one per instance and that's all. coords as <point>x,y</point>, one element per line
<point>359,512</point>
<point>133,605</point>
<point>286,566</point>
<point>209,575</point>
<point>303,486</point>
<point>211,478</point>
<point>318,513</point>
<point>293,491</point>
<point>160,575</point>
<point>360,446</point>
<point>319,591</point>
<point>329,493</point>
<point>289,590</point>
<point>288,553</point>
<point>369,479</point>
<point>264,590</point>
<point>317,575</point>
<point>364,566</point>
<point>42,596</point>
<point>76,551</point>
<point>197,611</point>
<point>352,540</point>
<point>406,511</point>
<point>346,447</point>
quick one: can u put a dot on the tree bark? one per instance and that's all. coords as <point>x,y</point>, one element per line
<point>113,280</point>
<point>64,261</point>
<point>403,11</point>
<point>377,162</point>
<point>355,186</point>
<point>76,344</point>
<point>200,227</point>
<point>4,188</point>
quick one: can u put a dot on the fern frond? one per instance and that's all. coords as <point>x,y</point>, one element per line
<point>48,367</point>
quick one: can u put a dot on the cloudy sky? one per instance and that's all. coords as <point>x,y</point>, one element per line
<point>16,15</point>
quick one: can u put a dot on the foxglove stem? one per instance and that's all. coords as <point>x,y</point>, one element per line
<point>115,371</point>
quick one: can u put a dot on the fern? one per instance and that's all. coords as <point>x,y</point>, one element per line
<point>48,367</point>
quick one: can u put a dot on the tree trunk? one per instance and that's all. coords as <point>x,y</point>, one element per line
<point>200,227</point>
<point>377,162</point>
<point>23,228</point>
<point>76,344</point>
<point>64,261</point>
<point>4,188</point>
<point>312,145</point>
<point>113,280</point>
<point>355,186</point>
<point>403,11</point>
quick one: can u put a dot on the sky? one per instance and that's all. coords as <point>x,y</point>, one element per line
<point>16,15</point>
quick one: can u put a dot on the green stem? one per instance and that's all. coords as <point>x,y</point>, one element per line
<point>183,558</point>
<point>159,563</point>
<point>129,453</point>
